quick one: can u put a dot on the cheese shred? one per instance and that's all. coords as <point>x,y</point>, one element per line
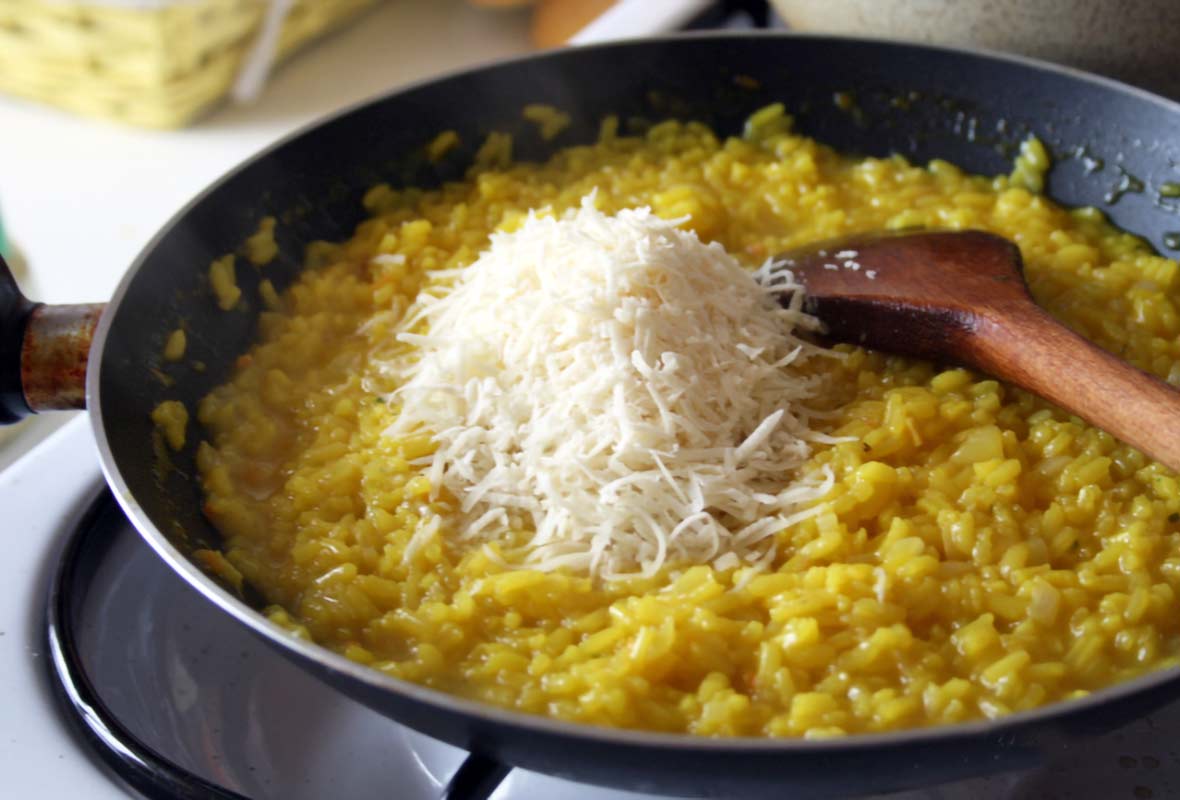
<point>610,395</point>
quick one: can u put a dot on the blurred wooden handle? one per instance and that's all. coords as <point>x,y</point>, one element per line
<point>555,21</point>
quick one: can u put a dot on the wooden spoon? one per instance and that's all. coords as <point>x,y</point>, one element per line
<point>960,297</point>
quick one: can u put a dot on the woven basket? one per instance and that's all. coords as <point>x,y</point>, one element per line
<point>157,66</point>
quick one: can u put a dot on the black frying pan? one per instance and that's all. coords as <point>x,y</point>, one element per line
<point>924,102</point>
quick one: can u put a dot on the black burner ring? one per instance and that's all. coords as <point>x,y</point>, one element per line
<point>131,759</point>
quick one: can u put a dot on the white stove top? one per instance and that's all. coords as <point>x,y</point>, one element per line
<point>40,498</point>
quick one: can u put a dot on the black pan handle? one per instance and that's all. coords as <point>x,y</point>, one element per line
<point>15,310</point>
<point>478,776</point>
<point>43,352</point>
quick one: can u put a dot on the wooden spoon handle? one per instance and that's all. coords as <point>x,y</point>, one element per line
<point>1034,351</point>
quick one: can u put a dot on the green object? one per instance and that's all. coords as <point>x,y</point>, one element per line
<point>10,254</point>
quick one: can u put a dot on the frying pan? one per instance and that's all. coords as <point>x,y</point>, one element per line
<point>923,102</point>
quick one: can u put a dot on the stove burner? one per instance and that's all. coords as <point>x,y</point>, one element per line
<point>132,661</point>
<point>144,769</point>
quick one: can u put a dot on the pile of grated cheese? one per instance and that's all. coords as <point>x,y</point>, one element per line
<point>617,391</point>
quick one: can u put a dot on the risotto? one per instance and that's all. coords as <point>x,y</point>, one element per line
<point>980,552</point>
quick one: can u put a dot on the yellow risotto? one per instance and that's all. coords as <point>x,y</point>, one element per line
<point>981,552</point>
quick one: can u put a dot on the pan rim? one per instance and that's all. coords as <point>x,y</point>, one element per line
<point>372,679</point>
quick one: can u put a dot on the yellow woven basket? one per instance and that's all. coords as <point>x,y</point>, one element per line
<point>157,65</point>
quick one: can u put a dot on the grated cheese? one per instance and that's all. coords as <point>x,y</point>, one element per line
<point>612,395</point>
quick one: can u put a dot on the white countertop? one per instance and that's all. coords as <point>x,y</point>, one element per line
<point>81,197</point>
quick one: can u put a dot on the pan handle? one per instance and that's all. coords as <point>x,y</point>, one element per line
<point>43,352</point>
